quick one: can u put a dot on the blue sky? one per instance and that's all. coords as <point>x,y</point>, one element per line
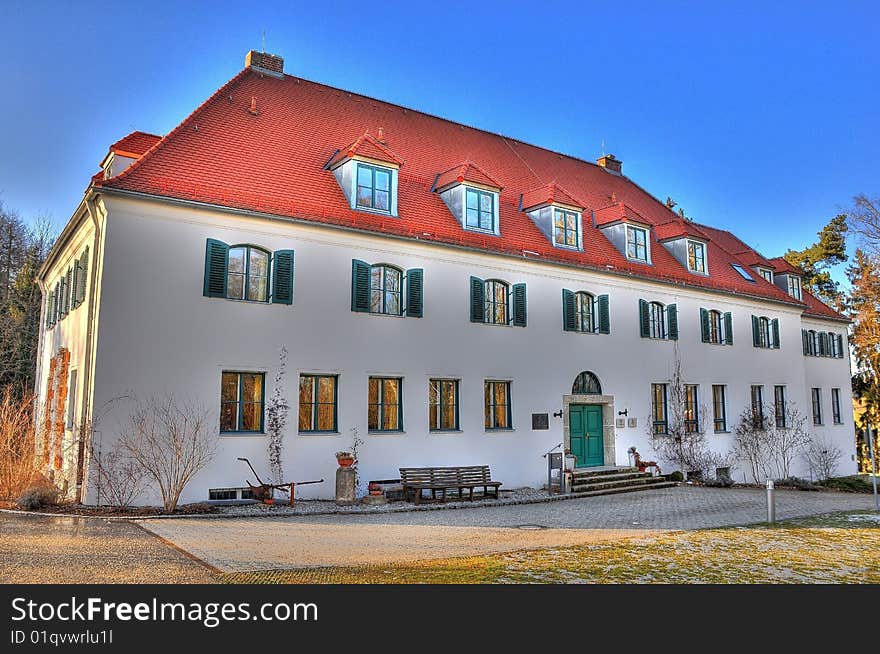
<point>761,119</point>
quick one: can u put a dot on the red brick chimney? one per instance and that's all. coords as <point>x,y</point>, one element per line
<point>265,63</point>
<point>610,163</point>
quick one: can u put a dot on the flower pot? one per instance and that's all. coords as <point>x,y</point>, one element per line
<point>345,462</point>
<point>375,489</point>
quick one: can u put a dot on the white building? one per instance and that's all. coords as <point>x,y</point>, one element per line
<point>438,288</point>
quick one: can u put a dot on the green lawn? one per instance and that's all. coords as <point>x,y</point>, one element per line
<point>839,548</point>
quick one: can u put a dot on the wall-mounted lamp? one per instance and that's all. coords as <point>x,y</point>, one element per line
<point>625,412</point>
<point>558,414</point>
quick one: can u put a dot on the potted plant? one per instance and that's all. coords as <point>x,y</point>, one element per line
<point>374,488</point>
<point>344,459</point>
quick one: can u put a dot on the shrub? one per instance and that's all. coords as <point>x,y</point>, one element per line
<point>38,495</point>
<point>675,476</point>
<point>851,484</point>
<point>16,444</point>
<point>796,483</point>
<point>722,481</point>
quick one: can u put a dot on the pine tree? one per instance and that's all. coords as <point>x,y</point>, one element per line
<point>817,259</point>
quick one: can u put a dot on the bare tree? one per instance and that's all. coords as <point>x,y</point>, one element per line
<point>770,447</point>
<point>683,441</point>
<point>864,220</point>
<point>823,457</point>
<point>171,441</point>
<point>787,439</point>
<point>752,442</point>
<point>276,420</point>
<point>17,464</point>
<point>118,475</point>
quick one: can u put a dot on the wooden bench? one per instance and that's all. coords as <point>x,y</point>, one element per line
<point>460,478</point>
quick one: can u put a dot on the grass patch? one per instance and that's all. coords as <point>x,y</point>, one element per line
<point>837,548</point>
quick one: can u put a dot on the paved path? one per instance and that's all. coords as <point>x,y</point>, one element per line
<point>59,550</point>
<point>238,544</point>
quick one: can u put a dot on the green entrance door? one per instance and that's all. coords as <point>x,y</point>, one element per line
<point>585,432</point>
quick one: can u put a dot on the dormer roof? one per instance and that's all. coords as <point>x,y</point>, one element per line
<point>367,147</point>
<point>466,171</point>
<point>679,228</point>
<point>550,193</point>
<point>134,146</point>
<point>619,213</point>
<point>783,267</point>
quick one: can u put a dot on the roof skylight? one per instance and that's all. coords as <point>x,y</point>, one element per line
<point>743,272</point>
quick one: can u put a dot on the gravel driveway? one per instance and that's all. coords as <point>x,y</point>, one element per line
<point>240,544</point>
<point>41,550</point>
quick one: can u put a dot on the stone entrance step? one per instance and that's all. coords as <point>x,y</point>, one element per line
<point>613,479</point>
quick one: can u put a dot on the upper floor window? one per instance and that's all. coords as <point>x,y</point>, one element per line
<point>479,209</point>
<point>794,287</point>
<point>658,321</point>
<point>696,256</point>
<point>566,228</point>
<point>244,272</point>
<point>248,274</point>
<point>765,332</point>
<point>583,311</point>
<point>385,290</point>
<point>637,243</point>
<point>241,402</point>
<point>716,327</point>
<point>766,273</point>
<point>497,303</point>
<point>373,187</point>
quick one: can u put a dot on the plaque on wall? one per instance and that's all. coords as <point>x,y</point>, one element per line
<point>540,421</point>
<point>633,422</point>
<point>621,423</point>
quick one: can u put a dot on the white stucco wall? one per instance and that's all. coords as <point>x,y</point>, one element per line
<point>158,334</point>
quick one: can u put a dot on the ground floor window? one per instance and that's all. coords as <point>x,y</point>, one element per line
<point>443,404</point>
<point>241,402</point>
<point>835,406</point>
<point>758,406</point>
<point>317,403</point>
<point>719,407</point>
<point>817,406</point>
<point>497,401</point>
<point>658,409</point>
<point>691,409</point>
<point>385,412</point>
<point>779,406</point>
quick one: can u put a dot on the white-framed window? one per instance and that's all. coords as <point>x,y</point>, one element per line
<point>766,273</point>
<point>248,273</point>
<point>637,243</point>
<point>385,289</point>
<point>566,228</point>
<point>812,343</point>
<point>794,287</point>
<point>696,257</point>
<point>496,305</point>
<point>716,327</point>
<point>373,187</point>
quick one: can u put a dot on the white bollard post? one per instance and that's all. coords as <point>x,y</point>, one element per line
<point>771,502</point>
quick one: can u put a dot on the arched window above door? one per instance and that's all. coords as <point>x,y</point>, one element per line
<point>586,383</point>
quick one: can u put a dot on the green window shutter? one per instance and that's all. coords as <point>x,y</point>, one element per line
<point>569,322</point>
<point>360,286</point>
<point>774,328</point>
<point>74,287</point>
<point>805,341</point>
<point>728,328</point>
<point>672,322</point>
<point>216,262</point>
<point>282,277</point>
<point>414,292</point>
<point>604,315</point>
<point>50,309</point>
<point>478,300</point>
<point>519,305</point>
<point>823,344</point>
<point>840,346</point>
<point>83,275</point>
<point>756,336</point>
<point>644,326</point>
<point>704,325</point>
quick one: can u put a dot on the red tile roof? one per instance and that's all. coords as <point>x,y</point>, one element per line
<point>679,228</point>
<point>274,163</point>
<point>467,171</point>
<point>818,309</point>
<point>135,144</point>
<point>781,265</point>
<point>548,194</point>
<point>369,147</point>
<point>618,212</point>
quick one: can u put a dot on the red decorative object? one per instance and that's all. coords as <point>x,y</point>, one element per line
<point>345,461</point>
<point>375,489</point>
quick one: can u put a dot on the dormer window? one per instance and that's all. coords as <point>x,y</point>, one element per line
<point>794,287</point>
<point>766,273</point>
<point>636,243</point>
<point>373,187</point>
<point>566,228</point>
<point>480,209</point>
<point>696,257</point>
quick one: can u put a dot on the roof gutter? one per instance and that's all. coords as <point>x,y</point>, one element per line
<point>292,219</point>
